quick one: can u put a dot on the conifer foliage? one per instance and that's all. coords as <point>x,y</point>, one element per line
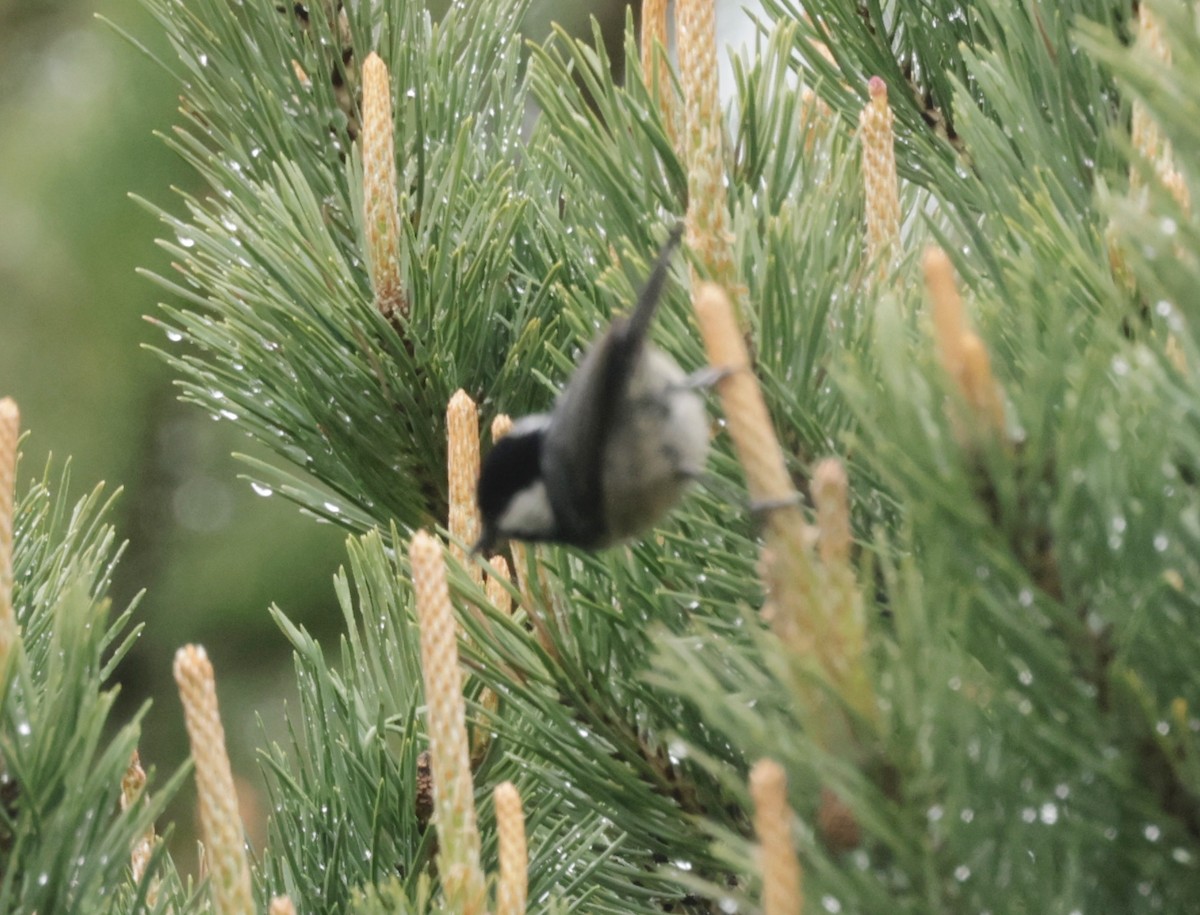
<point>925,640</point>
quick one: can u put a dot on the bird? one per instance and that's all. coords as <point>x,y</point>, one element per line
<point>616,452</point>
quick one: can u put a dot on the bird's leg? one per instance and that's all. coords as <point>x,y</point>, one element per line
<point>763,507</point>
<point>707,377</point>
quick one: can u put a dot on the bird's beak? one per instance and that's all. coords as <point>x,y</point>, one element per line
<point>485,542</point>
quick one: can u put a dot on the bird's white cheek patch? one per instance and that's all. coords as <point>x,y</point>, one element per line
<point>528,514</point>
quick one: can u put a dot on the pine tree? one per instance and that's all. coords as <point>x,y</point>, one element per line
<point>922,643</point>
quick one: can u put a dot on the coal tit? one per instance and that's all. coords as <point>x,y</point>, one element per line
<point>625,437</point>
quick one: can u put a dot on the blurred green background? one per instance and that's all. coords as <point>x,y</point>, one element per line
<point>79,108</point>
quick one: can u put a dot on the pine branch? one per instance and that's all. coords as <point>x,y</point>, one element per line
<point>65,844</point>
<point>284,337</point>
<point>1021,474</point>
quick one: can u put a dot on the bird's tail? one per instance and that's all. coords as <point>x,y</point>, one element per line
<point>643,312</point>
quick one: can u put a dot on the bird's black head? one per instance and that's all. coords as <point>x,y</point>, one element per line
<point>511,494</point>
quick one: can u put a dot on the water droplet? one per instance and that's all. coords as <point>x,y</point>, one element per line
<point>1049,813</point>
<point>961,873</point>
<point>1152,832</point>
<point>262,490</point>
<point>831,904</point>
<point>1117,537</point>
<point>1161,542</point>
